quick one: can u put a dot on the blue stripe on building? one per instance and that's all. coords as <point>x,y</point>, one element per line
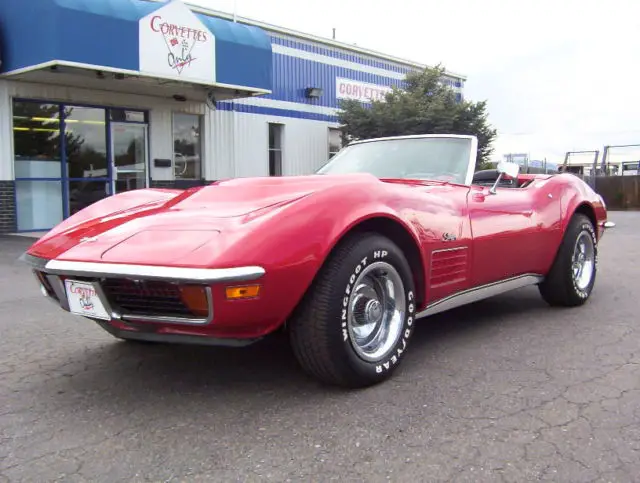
<point>355,58</point>
<point>272,111</point>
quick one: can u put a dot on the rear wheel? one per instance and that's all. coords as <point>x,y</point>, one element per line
<point>573,274</point>
<point>354,325</point>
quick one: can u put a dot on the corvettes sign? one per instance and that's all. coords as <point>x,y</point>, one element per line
<point>175,43</point>
<point>360,91</point>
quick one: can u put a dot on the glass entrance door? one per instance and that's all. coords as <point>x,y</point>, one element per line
<point>129,153</point>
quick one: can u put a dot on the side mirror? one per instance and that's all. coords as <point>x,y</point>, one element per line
<point>510,169</point>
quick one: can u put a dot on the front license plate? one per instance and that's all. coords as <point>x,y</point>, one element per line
<point>83,300</point>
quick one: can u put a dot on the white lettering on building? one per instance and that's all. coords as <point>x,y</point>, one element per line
<point>360,91</point>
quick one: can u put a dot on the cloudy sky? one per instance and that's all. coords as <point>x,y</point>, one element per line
<point>557,75</point>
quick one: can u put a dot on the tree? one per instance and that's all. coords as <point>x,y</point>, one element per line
<point>424,106</point>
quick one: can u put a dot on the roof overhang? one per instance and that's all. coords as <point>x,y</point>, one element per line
<point>134,46</point>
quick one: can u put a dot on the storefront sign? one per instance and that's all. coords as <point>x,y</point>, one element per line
<point>360,91</point>
<point>175,43</point>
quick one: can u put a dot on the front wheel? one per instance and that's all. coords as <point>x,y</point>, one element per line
<point>573,274</point>
<point>353,327</point>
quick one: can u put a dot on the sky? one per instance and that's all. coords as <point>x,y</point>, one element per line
<point>557,75</point>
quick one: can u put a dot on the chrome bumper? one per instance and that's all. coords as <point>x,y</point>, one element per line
<point>54,269</point>
<point>608,224</point>
<point>146,272</point>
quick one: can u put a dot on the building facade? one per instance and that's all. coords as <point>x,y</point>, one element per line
<point>126,94</point>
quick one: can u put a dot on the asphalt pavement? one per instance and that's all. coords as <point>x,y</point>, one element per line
<point>505,390</point>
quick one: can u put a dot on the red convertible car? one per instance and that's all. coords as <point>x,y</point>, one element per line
<point>346,261</point>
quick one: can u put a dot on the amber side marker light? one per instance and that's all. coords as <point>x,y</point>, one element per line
<point>195,298</point>
<point>244,292</point>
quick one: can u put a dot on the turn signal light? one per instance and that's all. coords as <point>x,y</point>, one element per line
<point>244,292</point>
<point>195,298</point>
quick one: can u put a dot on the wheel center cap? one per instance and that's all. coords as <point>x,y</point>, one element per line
<point>373,310</point>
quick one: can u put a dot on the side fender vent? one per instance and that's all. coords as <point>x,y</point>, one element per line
<point>448,267</point>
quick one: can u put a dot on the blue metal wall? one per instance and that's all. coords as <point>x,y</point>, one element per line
<point>292,75</point>
<point>312,65</point>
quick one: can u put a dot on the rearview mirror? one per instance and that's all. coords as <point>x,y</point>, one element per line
<point>510,169</point>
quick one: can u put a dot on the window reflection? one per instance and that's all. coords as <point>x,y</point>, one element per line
<point>130,155</point>
<point>187,146</point>
<point>335,141</point>
<point>86,142</point>
<point>275,149</point>
<point>85,193</point>
<point>36,140</point>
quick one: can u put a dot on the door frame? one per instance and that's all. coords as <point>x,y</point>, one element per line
<point>113,174</point>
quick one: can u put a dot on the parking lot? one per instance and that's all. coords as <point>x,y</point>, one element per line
<point>505,390</point>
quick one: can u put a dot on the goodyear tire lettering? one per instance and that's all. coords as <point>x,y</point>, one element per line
<point>584,294</point>
<point>394,358</point>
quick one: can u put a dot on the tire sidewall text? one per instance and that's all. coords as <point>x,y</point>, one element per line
<point>584,293</point>
<point>381,252</point>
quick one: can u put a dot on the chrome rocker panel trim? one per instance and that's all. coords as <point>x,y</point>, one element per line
<point>479,293</point>
<point>608,224</point>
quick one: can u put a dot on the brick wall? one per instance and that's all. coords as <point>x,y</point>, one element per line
<point>7,207</point>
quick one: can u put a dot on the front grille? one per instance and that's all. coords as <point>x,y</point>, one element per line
<point>146,297</point>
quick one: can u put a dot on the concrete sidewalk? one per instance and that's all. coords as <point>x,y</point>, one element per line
<point>30,234</point>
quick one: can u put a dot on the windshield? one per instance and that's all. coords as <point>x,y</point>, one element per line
<point>432,158</point>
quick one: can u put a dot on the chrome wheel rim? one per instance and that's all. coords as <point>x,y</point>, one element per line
<point>583,261</point>
<point>376,311</point>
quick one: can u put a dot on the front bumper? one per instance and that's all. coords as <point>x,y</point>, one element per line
<point>603,227</point>
<point>100,276</point>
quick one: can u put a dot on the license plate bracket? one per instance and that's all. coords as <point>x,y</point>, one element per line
<point>84,300</point>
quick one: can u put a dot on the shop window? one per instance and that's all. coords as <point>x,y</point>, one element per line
<point>83,193</point>
<point>86,142</point>
<point>187,146</point>
<point>36,140</point>
<point>36,144</point>
<point>38,204</point>
<point>275,149</point>
<point>335,141</point>
<point>57,175</point>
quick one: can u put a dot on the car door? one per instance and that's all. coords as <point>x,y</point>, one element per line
<point>508,237</point>
<point>445,236</point>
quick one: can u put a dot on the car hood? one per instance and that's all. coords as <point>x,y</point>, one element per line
<point>173,231</point>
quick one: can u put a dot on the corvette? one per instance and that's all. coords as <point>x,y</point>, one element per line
<point>346,261</point>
